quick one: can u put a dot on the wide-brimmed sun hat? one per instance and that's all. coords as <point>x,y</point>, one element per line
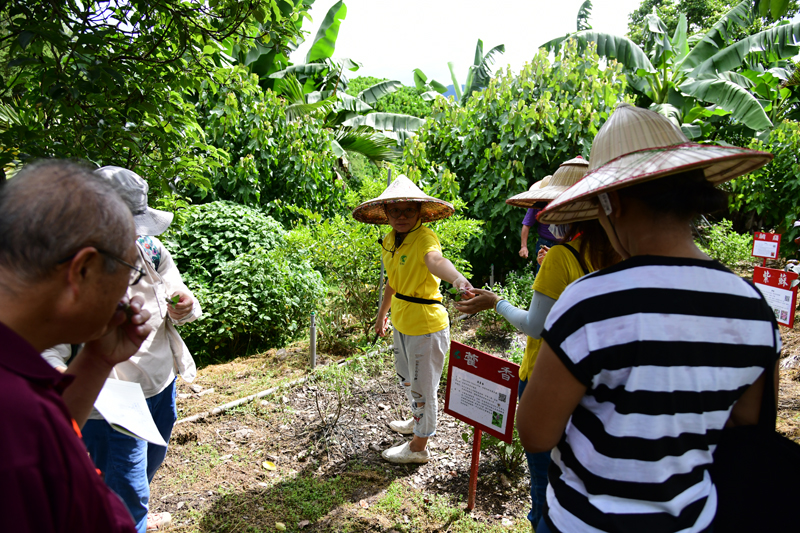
<point>402,189</point>
<point>637,145</point>
<point>133,189</point>
<point>520,200</point>
<point>567,175</point>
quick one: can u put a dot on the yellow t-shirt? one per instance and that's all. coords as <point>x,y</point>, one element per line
<point>407,274</point>
<point>559,269</point>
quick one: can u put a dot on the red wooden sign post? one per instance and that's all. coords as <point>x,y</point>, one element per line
<point>766,245</point>
<point>776,286</point>
<point>481,391</point>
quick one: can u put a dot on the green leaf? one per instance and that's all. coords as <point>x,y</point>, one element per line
<point>387,121</point>
<point>25,38</point>
<point>584,14</point>
<point>716,38</point>
<point>372,94</point>
<point>456,85</point>
<point>611,46</point>
<point>325,40</point>
<point>742,105</point>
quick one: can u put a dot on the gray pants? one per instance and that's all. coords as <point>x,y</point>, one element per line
<point>418,361</point>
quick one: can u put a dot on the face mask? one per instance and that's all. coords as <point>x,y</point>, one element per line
<point>559,231</point>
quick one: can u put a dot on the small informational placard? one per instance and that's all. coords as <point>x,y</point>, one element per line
<point>482,390</point>
<point>776,286</point>
<point>766,245</point>
<point>123,406</point>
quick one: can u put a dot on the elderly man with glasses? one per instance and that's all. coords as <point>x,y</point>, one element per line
<point>130,464</point>
<point>51,211</point>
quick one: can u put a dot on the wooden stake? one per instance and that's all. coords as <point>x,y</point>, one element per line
<point>473,471</point>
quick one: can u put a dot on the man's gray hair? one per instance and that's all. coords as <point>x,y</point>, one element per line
<point>51,210</point>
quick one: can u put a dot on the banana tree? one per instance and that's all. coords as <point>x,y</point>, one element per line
<point>678,78</point>
<point>478,75</point>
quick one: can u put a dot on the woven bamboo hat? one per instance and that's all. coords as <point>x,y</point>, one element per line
<point>637,145</point>
<point>402,189</point>
<point>521,199</point>
<point>568,174</point>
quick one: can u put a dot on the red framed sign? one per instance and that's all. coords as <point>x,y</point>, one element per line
<point>766,245</point>
<point>482,390</point>
<point>779,291</point>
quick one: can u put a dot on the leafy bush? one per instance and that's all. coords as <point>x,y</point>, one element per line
<point>772,193</point>
<point>255,293</point>
<point>273,160</point>
<point>725,245</point>
<point>405,100</point>
<point>511,135</point>
<point>511,455</point>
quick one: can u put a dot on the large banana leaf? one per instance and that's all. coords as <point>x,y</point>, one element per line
<point>584,14</point>
<point>303,70</point>
<point>717,37</point>
<point>351,103</point>
<point>779,42</point>
<point>372,145</point>
<point>422,83</point>
<point>480,73</point>
<point>371,95</point>
<point>325,41</point>
<point>742,105</point>
<point>680,42</point>
<point>672,113</point>
<point>386,121</point>
<point>456,85</point>
<point>611,46</point>
<point>777,8</point>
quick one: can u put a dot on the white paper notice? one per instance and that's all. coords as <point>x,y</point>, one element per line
<point>479,399</point>
<point>780,300</point>
<point>123,406</point>
<point>766,249</point>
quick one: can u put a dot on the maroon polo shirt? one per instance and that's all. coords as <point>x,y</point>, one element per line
<point>47,481</point>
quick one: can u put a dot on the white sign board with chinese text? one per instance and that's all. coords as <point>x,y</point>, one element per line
<point>482,390</point>
<point>776,286</point>
<point>766,245</point>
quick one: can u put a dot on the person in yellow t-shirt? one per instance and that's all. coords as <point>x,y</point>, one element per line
<point>415,265</point>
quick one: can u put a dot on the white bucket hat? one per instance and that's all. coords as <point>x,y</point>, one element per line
<point>402,189</point>
<point>133,189</point>
<point>568,174</point>
<point>521,199</point>
<point>637,145</point>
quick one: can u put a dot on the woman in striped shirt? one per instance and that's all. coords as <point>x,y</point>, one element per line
<point>645,362</point>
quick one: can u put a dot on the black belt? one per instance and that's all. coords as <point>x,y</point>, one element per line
<point>415,300</point>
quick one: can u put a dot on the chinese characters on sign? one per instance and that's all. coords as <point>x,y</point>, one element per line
<point>776,286</point>
<point>482,390</point>
<point>766,245</point>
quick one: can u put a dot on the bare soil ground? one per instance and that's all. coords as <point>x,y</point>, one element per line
<point>307,458</point>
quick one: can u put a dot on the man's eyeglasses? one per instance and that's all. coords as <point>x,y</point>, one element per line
<point>396,212</point>
<point>137,272</point>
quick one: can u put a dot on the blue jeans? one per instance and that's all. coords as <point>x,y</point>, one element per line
<point>129,464</point>
<point>539,243</point>
<point>538,463</point>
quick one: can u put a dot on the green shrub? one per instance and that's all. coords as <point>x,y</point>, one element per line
<point>518,291</point>
<point>772,193</point>
<point>405,100</point>
<point>725,245</point>
<point>255,292</point>
<point>512,134</point>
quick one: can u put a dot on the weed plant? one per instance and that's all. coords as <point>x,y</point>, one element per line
<point>725,245</point>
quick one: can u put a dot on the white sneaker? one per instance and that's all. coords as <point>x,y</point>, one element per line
<point>402,454</point>
<point>404,427</point>
<point>158,521</point>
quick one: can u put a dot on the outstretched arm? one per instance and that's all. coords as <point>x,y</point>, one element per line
<point>530,322</point>
<point>442,268</point>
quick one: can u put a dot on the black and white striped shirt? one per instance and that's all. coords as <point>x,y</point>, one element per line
<point>665,347</point>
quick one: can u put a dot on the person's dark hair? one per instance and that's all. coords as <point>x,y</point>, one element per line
<point>683,195</point>
<point>594,244</point>
<point>53,208</point>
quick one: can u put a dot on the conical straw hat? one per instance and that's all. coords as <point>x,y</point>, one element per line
<point>521,199</point>
<point>402,189</point>
<point>637,145</point>
<point>567,175</point>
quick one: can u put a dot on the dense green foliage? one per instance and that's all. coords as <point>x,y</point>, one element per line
<point>405,100</point>
<point>722,243</point>
<point>772,193</point>
<point>255,292</point>
<point>113,83</point>
<point>273,160</point>
<point>513,134</point>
